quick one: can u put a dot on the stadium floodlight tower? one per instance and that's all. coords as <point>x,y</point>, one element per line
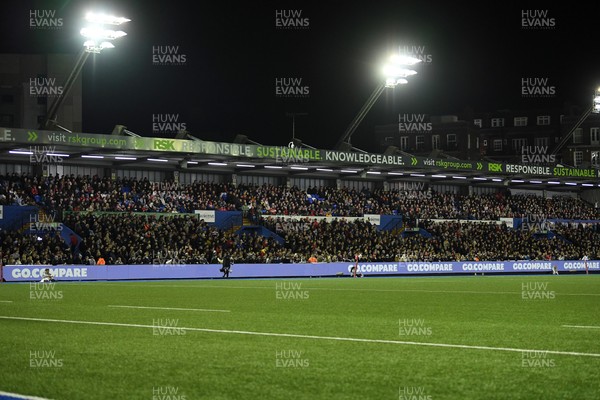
<point>395,72</point>
<point>593,109</point>
<point>596,109</point>
<point>99,36</point>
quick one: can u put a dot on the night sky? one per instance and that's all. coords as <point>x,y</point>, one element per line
<point>234,53</point>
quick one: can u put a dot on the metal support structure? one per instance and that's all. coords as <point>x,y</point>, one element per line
<point>294,115</point>
<point>347,136</point>
<point>50,121</point>
<point>568,136</point>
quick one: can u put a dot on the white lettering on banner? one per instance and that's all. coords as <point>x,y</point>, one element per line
<point>374,219</point>
<point>467,221</point>
<point>1,212</point>
<point>374,267</point>
<point>581,265</point>
<point>38,273</point>
<point>206,215</point>
<point>540,265</point>
<point>429,267</point>
<point>6,136</point>
<point>77,273</point>
<point>482,266</point>
<point>528,169</point>
<point>228,149</point>
<point>315,218</point>
<point>363,158</point>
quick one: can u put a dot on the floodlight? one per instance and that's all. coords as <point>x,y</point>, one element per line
<point>94,33</point>
<point>596,106</point>
<point>394,71</point>
<point>98,36</point>
<point>404,59</point>
<point>103,19</point>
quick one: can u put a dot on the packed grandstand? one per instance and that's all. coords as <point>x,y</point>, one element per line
<point>131,221</point>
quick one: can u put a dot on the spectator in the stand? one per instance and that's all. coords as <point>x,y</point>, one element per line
<point>73,242</point>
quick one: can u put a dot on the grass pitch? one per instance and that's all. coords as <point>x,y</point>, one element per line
<point>476,337</point>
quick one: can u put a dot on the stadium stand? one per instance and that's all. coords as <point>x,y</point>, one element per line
<point>108,216</point>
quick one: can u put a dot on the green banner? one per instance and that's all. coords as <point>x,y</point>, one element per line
<point>279,154</point>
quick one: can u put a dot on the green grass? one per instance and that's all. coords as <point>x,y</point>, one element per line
<point>125,362</point>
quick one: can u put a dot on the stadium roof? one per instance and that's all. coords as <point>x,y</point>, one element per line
<point>124,149</point>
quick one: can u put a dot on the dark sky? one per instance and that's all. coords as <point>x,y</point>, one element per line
<point>234,53</point>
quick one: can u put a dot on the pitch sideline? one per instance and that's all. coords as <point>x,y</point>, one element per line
<point>299,336</point>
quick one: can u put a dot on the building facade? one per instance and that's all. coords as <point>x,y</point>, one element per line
<point>541,136</point>
<point>29,83</point>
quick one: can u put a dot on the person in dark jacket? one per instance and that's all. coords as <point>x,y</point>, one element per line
<point>225,265</point>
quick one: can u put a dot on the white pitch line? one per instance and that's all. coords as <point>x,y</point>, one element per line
<point>171,308</point>
<point>340,289</point>
<point>21,396</point>
<point>581,326</point>
<point>6,301</point>
<point>298,336</point>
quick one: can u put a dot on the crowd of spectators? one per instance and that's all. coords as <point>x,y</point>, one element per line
<point>18,248</point>
<point>168,238</point>
<point>444,241</point>
<point>177,239</point>
<point>77,193</point>
<point>15,190</point>
<point>587,239</point>
<point>151,239</point>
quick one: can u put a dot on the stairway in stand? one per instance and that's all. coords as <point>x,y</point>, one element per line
<point>398,231</point>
